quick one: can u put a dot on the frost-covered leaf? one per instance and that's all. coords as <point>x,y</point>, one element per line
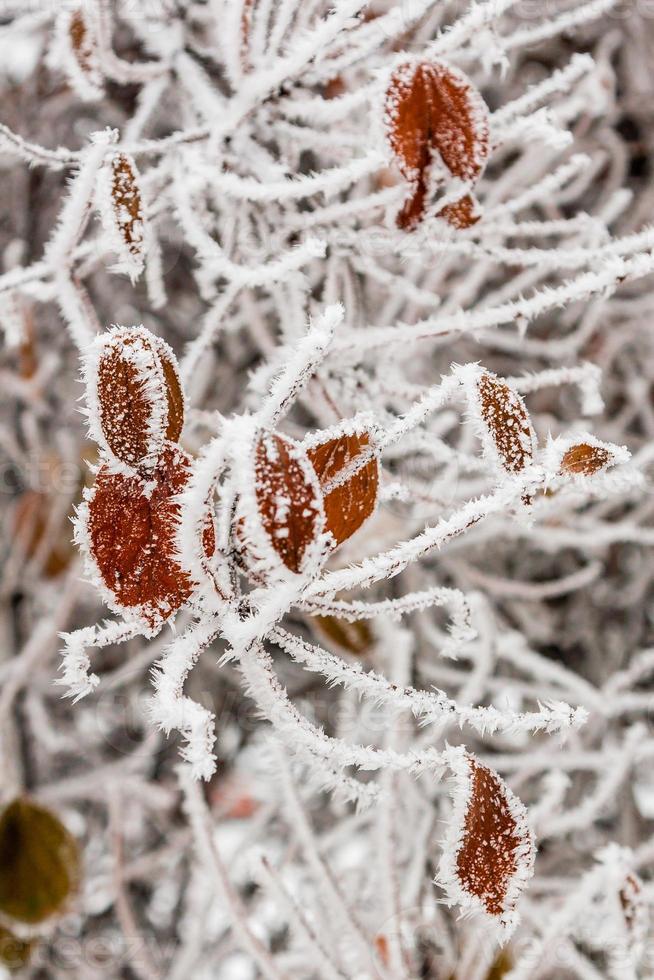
<point>39,862</point>
<point>120,204</point>
<point>78,47</point>
<point>349,505</point>
<point>580,457</point>
<point>505,424</point>
<point>634,907</point>
<point>284,516</point>
<point>127,527</point>
<point>433,108</point>
<point>585,459</point>
<point>461,214</point>
<point>488,853</point>
<point>134,395</point>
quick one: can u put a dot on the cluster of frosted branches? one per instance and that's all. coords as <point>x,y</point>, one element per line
<point>355,620</point>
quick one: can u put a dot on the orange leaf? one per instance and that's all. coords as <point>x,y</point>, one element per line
<point>82,45</point>
<point>133,387</point>
<point>131,528</point>
<point>354,637</point>
<point>489,852</point>
<point>585,459</point>
<point>287,497</point>
<point>506,421</point>
<point>128,206</point>
<point>434,108</point>
<point>349,505</point>
<point>461,214</point>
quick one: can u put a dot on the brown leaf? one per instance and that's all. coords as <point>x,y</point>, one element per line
<point>82,43</point>
<point>501,966</point>
<point>486,860</point>
<point>127,204</point>
<point>461,214</point>
<point>39,860</point>
<point>433,108</point>
<point>489,854</point>
<point>351,503</point>
<point>585,459</point>
<point>246,26</point>
<point>287,498</point>
<point>30,524</point>
<point>354,637</point>
<point>139,395</point>
<point>131,532</point>
<point>634,905</point>
<point>507,422</point>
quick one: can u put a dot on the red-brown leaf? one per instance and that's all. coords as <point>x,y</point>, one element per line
<point>489,855</point>
<point>351,503</point>
<point>433,108</point>
<point>287,501</point>
<point>585,459</point>
<point>137,383</point>
<point>131,530</point>
<point>486,860</point>
<point>461,214</point>
<point>507,421</point>
<point>127,203</point>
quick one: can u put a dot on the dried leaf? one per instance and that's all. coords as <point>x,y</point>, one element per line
<point>130,536</point>
<point>507,422</point>
<point>31,523</point>
<point>434,108</point>
<point>81,53</point>
<point>14,952</point>
<point>489,852</point>
<point>634,906</point>
<point>39,860</point>
<point>133,388</point>
<point>585,459</point>
<point>349,505</point>
<point>80,40</point>
<point>353,637</point>
<point>381,949</point>
<point>461,214</point>
<point>501,966</point>
<point>246,27</point>
<point>287,498</point>
<point>121,209</point>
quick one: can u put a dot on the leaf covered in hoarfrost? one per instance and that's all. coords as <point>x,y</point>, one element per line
<point>349,505</point>
<point>287,498</point>
<point>39,862</point>
<point>585,459</point>
<point>80,52</point>
<point>134,395</point>
<point>461,214</point>
<point>433,108</point>
<point>489,851</point>
<point>506,421</point>
<point>121,209</point>
<point>634,906</point>
<point>128,528</point>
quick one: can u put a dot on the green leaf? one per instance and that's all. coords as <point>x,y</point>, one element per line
<point>39,862</point>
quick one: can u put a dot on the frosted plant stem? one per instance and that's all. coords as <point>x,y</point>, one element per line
<point>208,851</point>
